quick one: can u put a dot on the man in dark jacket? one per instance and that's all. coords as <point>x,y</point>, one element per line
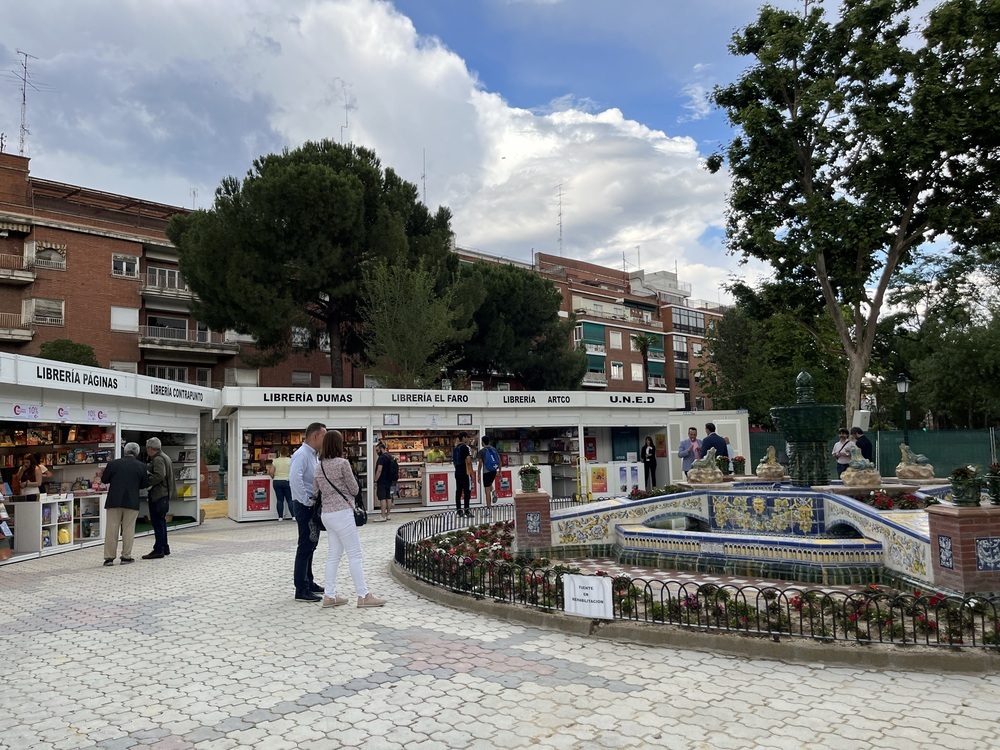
<point>161,492</point>
<point>863,443</point>
<point>127,476</point>
<point>712,440</point>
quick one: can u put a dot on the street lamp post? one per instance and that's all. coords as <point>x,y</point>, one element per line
<point>903,386</point>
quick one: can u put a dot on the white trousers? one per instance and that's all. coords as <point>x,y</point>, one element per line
<point>343,535</point>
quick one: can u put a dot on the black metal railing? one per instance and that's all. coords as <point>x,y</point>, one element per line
<point>875,614</point>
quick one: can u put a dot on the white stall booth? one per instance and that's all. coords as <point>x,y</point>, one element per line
<point>75,419</point>
<point>585,444</point>
<point>732,424</point>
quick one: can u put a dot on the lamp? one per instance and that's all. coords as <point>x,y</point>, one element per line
<point>903,386</point>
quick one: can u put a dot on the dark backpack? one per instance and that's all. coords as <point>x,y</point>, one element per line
<point>491,462</point>
<point>392,469</point>
<point>458,454</point>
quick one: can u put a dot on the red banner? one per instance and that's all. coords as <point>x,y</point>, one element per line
<point>258,495</point>
<point>504,484</point>
<point>437,486</point>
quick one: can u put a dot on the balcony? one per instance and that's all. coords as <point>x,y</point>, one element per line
<point>16,269</point>
<point>656,384</point>
<point>653,323</point>
<point>595,349</point>
<point>595,379</point>
<point>656,356</point>
<point>14,329</point>
<point>169,287</point>
<point>183,340</point>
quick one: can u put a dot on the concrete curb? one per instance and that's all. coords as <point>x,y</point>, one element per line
<point>796,650</point>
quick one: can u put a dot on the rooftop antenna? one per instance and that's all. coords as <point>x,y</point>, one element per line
<point>25,83</point>
<point>194,198</point>
<point>423,176</point>
<point>347,113</point>
<point>3,142</point>
<point>559,187</point>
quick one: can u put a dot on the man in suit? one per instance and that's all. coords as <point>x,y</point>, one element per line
<point>126,475</point>
<point>689,449</point>
<point>712,440</point>
<point>863,443</point>
<point>162,490</point>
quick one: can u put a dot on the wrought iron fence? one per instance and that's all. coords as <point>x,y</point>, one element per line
<point>875,614</point>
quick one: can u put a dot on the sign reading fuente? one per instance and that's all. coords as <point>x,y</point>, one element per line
<point>588,596</point>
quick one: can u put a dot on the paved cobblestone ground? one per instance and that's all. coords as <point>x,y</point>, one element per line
<point>207,649</point>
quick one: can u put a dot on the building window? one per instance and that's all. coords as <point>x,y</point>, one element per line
<point>445,384</point>
<point>161,327</point>
<point>242,376</point>
<point>300,337</point>
<point>178,374</point>
<point>48,257</point>
<point>125,319</point>
<point>302,379</point>
<point>617,371</point>
<point>203,376</point>
<point>696,349</point>
<point>326,381</point>
<point>636,372</point>
<point>131,367</point>
<point>616,339</point>
<point>681,348</point>
<point>371,382</point>
<point>166,278</point>
<point>503,386</point>
<point>475,385</point>
<point>323,343</point>
<point>699,403</point>
<point>46,312</point>
<point>682,378</point>
<point>598,308</point>
<point>125,266</point>
<point>689,321</point>
<point>577,334</point>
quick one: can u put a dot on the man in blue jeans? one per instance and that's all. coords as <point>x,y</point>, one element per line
<point>300,477</point>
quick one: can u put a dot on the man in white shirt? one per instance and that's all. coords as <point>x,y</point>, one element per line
<point>300,477</point>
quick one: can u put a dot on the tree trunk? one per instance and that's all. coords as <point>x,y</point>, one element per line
<point>645,372</point>
<point>336,355</point>
<point>857,365</point>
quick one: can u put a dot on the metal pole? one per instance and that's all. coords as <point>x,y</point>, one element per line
<point>906,434</point>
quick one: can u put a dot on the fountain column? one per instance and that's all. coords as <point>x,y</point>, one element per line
<point>808,427</point>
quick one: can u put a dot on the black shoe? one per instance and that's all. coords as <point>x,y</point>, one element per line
<point>153,556</point>
<point>109,562</point>
<point>316,589</point>
<point>167,552</point>
<point>127,560</point>
<point>308,596</point>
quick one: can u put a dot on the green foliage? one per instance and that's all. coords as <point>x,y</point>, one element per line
<point>518,329</point>
<point>643,343</point>
<point>410,326</point>
<point>859,145</point>
<point>66,350</point>
<point>287,246</point>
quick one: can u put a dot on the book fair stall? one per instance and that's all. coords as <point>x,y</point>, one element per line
<point>71,420</point>
<point>585,444</point>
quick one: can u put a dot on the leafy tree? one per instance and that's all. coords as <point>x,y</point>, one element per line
<point>287,246</point>
<point>518,329</point>
<point>860,146</point>
<point>410,326</point>
<point>66,350</point>
<point>643,343</point>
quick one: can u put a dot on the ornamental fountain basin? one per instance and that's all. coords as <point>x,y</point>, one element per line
<point>768,531</point>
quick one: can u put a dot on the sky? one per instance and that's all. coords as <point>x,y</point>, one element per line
<point>572,127</point>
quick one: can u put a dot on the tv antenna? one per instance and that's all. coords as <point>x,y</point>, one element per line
<point>25,83</point>
<point>423,176</point>
<point>560,223</point>
<point>347,113</point>
<point>194,198</point>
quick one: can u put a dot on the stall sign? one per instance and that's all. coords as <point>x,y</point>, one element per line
<point>437,484</point>
<point>504,484</point>
<point>258,495</point>
<point>26,411</point>
<point>599,478</point>
<point>588,596</point>
<point>590,448</point>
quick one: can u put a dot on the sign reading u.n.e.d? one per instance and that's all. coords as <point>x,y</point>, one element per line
<point>588,596</point>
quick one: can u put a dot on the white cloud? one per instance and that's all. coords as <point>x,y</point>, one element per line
<point>159,98</point>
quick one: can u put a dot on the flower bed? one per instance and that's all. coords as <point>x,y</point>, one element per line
<point>480,561</point>
<point>883,500</point>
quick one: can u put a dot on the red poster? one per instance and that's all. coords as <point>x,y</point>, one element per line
<point>590,448</point>
<point>504,485</point>
<point>473,483</point>
<point>258,494</point>
<point>437,484</point>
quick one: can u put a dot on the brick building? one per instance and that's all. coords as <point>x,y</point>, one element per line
<point>98,269</point>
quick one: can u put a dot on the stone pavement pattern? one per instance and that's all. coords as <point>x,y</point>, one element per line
<point>206,649</point>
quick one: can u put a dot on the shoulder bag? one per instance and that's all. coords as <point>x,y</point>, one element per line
<point>360,514</point>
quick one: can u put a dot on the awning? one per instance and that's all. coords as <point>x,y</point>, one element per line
<point>595,362</point>
<point>654,369</point>
<point>15,227</point>
<point>46,245</point>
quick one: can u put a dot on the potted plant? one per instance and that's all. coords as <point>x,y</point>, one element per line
<point>211,454</point>
<point>993,484</point>
<point>530,476</point>
<point>966,485</point>
<point>739,465</point>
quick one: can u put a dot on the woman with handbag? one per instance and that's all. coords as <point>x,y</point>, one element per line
<point>335,483</point>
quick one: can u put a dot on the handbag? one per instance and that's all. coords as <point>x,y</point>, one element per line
<point>360,514</point>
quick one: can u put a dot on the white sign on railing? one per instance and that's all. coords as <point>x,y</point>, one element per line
<point>588,596</point>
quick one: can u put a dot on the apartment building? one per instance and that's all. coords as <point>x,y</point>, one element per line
<point>611,306</point>
<point>98,269</point>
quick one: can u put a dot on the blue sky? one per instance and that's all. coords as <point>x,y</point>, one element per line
<point>517,114</point>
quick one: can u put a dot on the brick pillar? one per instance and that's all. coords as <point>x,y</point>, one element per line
<point>965,547</point>
<point>532,522</point>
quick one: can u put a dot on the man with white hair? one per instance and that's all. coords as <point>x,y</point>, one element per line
<point>126,476</point>
<point>161,492</point>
